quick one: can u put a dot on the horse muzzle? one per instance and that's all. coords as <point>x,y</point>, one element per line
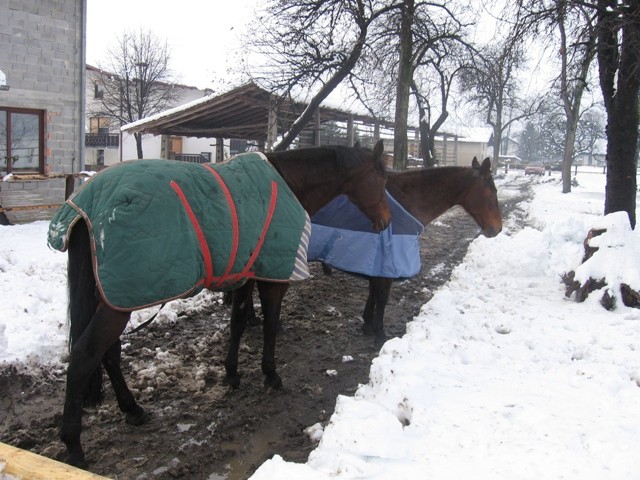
<point>381,224</point>
<point>491,231</point>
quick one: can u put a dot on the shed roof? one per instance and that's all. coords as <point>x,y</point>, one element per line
<point>239,113</point>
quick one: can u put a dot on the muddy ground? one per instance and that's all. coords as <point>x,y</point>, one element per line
<point>199,429</point>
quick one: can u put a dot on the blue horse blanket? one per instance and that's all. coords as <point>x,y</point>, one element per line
<point>341,236</point>
<point>162,229</point>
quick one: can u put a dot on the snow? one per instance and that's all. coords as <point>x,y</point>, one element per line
<point>499,376</point>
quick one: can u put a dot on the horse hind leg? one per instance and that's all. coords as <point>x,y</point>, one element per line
<point>103,330</point>
<point>134,414</point>
<point>271,296</point>
<point>242,298</point>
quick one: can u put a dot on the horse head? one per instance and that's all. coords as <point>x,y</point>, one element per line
<point>482,199</point>
<point>366,186</point>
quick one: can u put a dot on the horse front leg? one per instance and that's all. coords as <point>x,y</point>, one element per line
<point>373,315</point>
<point>241,299</point>
<point>367,314</point>
<point>271,296</point>
<point>104,328</point>
<point>134,414</point>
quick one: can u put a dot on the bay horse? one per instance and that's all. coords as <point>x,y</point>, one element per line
<point>427,193</point>
<point>314,175</point>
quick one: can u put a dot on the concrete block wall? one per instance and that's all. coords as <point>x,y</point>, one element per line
<point>42,55</point>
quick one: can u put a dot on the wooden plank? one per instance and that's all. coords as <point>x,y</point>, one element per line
<point>28,207</point>
<point>29,466</point>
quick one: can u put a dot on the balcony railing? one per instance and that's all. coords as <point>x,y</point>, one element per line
<point>102,140</point>
<point>193,157</point>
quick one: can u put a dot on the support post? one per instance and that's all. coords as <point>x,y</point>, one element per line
<point>272,129</point>
<point>219,149</point>
<point>316,129</point>
<point>351,134</point>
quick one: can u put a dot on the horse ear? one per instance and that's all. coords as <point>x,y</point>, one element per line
<point>357,144</point>
<point>475,163</point>
<point>378,149</point>
<point>486,166</point>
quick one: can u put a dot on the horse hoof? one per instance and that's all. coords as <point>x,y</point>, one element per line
<point>136,418</point>
<point>273,381</point>
<point>77,461</point>
<point>380,340</point>
<point>231,381</point>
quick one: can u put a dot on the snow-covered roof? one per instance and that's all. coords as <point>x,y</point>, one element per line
<point>239,113</point>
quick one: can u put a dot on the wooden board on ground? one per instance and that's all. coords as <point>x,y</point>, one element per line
<point>30,466</point>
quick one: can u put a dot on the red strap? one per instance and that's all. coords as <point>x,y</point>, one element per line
<point>234,225</point>
<point>265,228</point>
<point>208,281</point>
<point>208,266</point>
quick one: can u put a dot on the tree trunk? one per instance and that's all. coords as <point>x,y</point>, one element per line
<point>138,137</point>
<point>567,155</point>
<point>427,143</point>
<point>497,143</point>
<point>622,135</point>
<point>405,75</point>
<point>620,85</point>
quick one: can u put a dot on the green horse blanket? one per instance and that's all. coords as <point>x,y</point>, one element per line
<point>162,229</point>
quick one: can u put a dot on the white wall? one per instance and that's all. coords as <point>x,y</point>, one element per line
<point>151,144</point>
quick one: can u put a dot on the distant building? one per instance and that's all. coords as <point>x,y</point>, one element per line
<point>106,145</point>
<point>452,148</point>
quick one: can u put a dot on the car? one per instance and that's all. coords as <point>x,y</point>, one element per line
<point>534,168</point>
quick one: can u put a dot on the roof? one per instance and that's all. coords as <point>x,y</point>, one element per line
<point>239,113</point>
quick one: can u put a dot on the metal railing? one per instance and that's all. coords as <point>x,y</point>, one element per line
<point>102,140</point>
<point>192,157</point>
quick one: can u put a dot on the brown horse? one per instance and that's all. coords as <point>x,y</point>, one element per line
<point>315,176</point>
<point>426,194</point>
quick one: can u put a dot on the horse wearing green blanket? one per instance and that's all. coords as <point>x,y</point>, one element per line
<point>148,231</point>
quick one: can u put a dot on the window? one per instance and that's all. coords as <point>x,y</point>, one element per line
<point>21,140</point>
<point>98,91</point>
<point>99,125</point>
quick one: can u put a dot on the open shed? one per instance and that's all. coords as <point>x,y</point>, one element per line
<point>249,112</point>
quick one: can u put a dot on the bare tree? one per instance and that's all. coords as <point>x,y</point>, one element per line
<point>576,54</point>
<point>591,129</point>
<point>491,83</point>
<point>135,80</point>
<point>428,34</point>
<point>436,73</point>
<point>615,26</point>
<point>312,44</point>
<point>575,43</point>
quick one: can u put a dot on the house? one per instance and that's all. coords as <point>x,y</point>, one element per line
<point>106,144</point>
<point>41,105</point>
<point>457,148</point>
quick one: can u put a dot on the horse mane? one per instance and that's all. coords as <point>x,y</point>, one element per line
<point>344,158</point>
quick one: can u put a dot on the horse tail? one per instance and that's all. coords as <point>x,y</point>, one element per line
<point>83,301</point>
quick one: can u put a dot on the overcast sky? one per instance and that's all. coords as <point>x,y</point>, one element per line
<point>205,39</point>
<point>202,35</point>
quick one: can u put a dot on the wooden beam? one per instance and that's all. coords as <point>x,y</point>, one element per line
<point>27,207</point>
<point>29,466</point>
